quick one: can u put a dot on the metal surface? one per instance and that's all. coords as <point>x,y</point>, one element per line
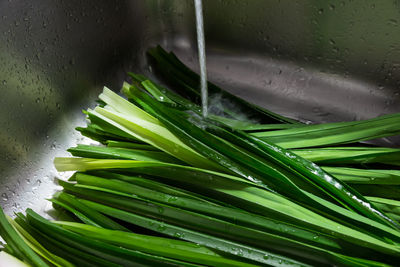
<point>314,60</point>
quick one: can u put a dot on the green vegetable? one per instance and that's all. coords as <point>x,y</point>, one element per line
<point>141,125</point>
<point>362,176</point>
<point>198,238</point>
<point>350,155</point>
<point>247,126</point>
<point>86,215</point>
<point>237,157</point>
<point>382,191</point>
<point>390,206</point>
<point>228,214</point>
<point>334,133</point>
<point>188,83</point>
<point>121,153</point>
<point>20,249</point>
<point>38,248</point>
<point>168,187</point>
<point>108,252</point>
<point>243,194</point>
<point>165,247</point>
<point>121,144</point>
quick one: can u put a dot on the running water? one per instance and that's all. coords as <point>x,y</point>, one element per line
<point>202,55</point>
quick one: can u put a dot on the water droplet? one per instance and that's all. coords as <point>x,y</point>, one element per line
<point>178,235</point>
<point>320,11</point>
<point>234,250</point>
<point>240,252</point>
<point>4,196</point>
<point>266,83</point>
<point>161,227</point>
<point>172,199</point>
<point>266,257</point>
<point>37,184</point>
<point>4,82</point>
<point>315,237</point>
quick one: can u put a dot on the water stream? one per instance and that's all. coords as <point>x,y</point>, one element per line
<point>202,55</point>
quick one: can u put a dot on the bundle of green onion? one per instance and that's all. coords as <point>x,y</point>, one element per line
<point>169,187</point>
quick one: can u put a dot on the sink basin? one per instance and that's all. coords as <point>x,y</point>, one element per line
<point>310,60</point>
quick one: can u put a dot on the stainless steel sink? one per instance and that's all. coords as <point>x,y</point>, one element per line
<point>314,60</point>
